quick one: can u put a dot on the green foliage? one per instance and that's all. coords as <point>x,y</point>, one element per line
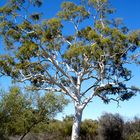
<point>89,129</point>
<point>12,107</point>
<point>52,103</point>
<point>5,9</point>
<point>71,11</point>
<point>134,136</point>
<point>19,114</point>
<point>67,126</point>
<point>27,50</point>
<point>52,28</point>
<point>102,6</point>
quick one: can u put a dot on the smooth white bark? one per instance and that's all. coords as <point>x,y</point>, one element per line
<point>76,123</point>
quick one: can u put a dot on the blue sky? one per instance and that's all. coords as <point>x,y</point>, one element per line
<point>128,10</point>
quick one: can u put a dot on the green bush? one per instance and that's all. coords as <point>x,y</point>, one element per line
<point>89,129</point>
<point>134,136</point>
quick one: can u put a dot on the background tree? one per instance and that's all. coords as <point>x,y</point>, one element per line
<point>89,62</point>
<point>19,114</point>
<point>132,129</point>
<point>110,127</point>
<point>89,130</point>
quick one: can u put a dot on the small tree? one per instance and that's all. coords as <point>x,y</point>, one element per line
<point>19,114</point>
<point>89,62</point>
<point>110,127</point>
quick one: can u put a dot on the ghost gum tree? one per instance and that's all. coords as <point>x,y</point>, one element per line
<point>87,63</point>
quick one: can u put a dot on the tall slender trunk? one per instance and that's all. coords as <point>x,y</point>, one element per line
<point>76,123</point>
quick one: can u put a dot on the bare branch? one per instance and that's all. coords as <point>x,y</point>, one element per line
<point>87,100</point>
<point>90,77</point>
<point>47,89</point>
<point>65,40</point>
<point>88,89</point>
<point>108,99</point>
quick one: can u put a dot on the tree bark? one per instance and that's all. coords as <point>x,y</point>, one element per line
<point>76,123</point>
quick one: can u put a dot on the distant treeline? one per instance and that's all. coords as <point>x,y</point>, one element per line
<point>108,127</point>
<point>31,117</point>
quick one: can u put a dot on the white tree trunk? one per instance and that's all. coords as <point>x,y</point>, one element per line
<point>76,123</point>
